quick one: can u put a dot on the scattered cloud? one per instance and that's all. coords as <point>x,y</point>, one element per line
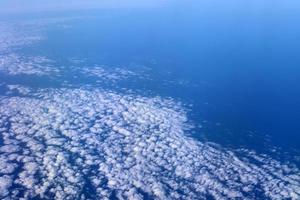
<point>56,143</point>
<point>127,146</point>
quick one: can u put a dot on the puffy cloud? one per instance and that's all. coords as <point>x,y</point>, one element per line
<point>20,34</point>
<point>16,35</point>
<point>18,88</point>
<point>5,184</point>
<point>89,144</point>
<point>14,64</point>
<point>99,144</point>
<point>108,75</point>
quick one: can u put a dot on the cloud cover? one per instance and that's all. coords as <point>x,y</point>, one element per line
<point>90,143</point>
<point>80,144</point>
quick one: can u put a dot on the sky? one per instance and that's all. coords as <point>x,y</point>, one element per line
<point>18,6</point>
<point>269,7</point>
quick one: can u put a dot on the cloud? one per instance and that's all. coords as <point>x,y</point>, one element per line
<point>63,141</point>
<point>98,144</point>
<point>14,64</point>
<point>25,33</point>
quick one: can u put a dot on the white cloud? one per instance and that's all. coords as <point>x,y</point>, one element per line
<point>104,74</point>
<point>137,147</point>
<point>14,64</point>
<point>20,34</point>
<point>5,183</point>
<point>62,140</point>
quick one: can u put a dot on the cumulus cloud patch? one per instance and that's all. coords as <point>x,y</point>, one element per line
<point>105,74</point>
<point>20,89</point>
<point>14,64</point>
<point>15,35</point>
<point>87,144</point>
<point>11,38</point>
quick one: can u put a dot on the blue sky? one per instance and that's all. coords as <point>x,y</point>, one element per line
<point>17,6</point>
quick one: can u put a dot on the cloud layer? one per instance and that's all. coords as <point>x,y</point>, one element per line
<point>72,144</point>
<point>98,144</point>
